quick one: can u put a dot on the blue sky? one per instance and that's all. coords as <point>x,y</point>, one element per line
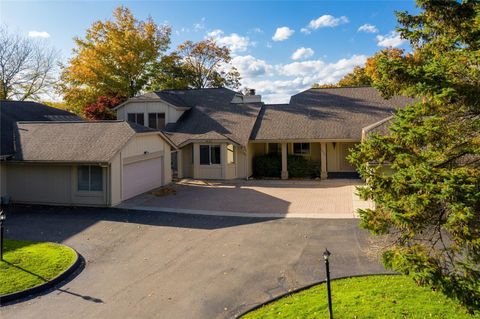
<point>280,48</point>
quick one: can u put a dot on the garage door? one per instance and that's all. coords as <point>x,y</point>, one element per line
<point>140,177</point>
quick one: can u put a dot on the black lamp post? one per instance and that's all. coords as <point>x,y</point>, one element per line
<point>326,255</point>
<point>3,216</point>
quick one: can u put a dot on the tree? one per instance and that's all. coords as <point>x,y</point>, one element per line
<point>207,65</point>
<point>170,73</point>
<point>113,59</point>
<point>27,67</point>
<point>427,209</point>
<point>357,77</point>
<point>102,108</point>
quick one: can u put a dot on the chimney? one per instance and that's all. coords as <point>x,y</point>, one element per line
<point>251,92</point>
<point>248,96</point>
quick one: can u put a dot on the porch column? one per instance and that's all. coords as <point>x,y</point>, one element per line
<point>284,174</point>
<point>323,160</point>
<point>179,164</point>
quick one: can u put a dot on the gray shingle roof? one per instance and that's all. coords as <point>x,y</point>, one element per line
<point>212,116</point>
<point>14,111</point>
<point>73,141</point>
<point>334,113</point>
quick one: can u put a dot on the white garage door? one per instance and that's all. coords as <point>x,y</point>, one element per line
<point>140,177</point>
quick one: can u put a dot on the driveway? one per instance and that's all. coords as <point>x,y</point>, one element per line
<point>334,198</point>
<point>160,265</point>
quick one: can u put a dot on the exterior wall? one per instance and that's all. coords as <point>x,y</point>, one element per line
<point>140,147</point>
<point>171,114</point>
<point>241,162</point>
<point>254,149</point>
<point>3,179</point>
<point>51,184</point>
<point>223,170</point>
<point>336,157</point>
<point>208,171</point>
<point>187,161</point>
<point>116,178</point>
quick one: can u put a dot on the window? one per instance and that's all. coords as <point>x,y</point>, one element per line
<point>156,120</point>
<point>301,148</point>
<point>136,118</point>
<point>230,154</point>
<point>274,148</point>
<point>209,154</point>
<point>90,178</point>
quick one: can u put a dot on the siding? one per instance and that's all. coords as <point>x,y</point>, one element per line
<point>50,184</point>
<point>336,157</point>
<point>171,114</point>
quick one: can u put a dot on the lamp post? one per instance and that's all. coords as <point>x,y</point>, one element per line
<point>3,216</point>
<point>326,255</point>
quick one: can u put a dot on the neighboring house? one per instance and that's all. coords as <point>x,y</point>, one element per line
<point>218,132</point>
<point>53,157</point>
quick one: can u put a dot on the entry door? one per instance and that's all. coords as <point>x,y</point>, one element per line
<point>141,177</point>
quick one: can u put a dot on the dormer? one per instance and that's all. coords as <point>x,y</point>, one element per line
<point>154,110</point>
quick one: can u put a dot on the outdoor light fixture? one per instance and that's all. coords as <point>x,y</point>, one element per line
<point>326,256</point>
<point>3,216</point>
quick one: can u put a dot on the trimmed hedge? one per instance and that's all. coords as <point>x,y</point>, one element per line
<point>270,165</point>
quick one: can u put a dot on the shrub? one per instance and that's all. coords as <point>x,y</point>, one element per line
<point>267,165</point>
<point>270,165</point>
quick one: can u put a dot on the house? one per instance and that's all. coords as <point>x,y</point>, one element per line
<point>218,132</point>
<point>51,156</point>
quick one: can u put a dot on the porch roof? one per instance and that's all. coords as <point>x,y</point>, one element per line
<point>335,113</point>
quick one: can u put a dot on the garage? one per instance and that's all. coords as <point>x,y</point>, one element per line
<point>142,176</point>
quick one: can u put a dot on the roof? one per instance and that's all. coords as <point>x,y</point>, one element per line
<point>211,116</point>
<point>73,141</point>
<point>380,127</point>
<point>14,111</point>
<point>330,113</point>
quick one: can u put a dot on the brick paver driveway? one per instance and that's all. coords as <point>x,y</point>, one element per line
<point>161,265</point>
<point>334,198</point>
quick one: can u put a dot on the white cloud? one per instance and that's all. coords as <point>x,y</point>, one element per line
<point>257,30</point>
<point>276,83</point>
<point>392,39</point>
<point>282,34</point>
<point>302,53</point>
<point>234,42</point>
<point>327,21</point>
<point>368,28</point>
<point>38,34</point>
<point>199,26</point>
<point>250,67</point>
<point>305,31</point>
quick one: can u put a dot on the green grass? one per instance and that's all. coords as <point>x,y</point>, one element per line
<point>28,264</point>
<point>365,297</point>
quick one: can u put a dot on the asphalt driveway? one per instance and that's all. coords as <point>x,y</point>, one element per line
<point>160,265</point>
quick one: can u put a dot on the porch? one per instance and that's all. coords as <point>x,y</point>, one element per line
<point>327,159</point>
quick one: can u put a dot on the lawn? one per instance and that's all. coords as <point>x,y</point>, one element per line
<point>28,264</point>
<point>365,297</point>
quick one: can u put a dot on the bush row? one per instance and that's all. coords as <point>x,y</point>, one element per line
<point>270,165</point>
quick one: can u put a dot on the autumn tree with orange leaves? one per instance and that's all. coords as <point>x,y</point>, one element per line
<point>113,59</point>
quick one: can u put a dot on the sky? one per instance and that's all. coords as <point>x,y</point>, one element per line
<point>280,48</point>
